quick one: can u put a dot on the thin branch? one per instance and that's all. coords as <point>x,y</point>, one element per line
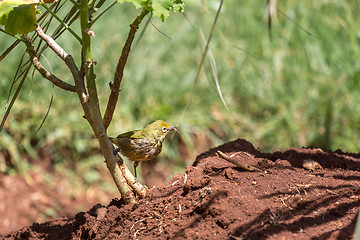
<point>160,30</point>
<point>48,110</point>
<point>9,49</point>
<point>14,98</point>
<point>102,12</point>
<point>45,73</point>
<point>106,146</point>
<point>61,22</point>
<point>115,86</point>
<point>76,4</point>
<point>214,71</point>
<point>142,32</point>
<point>18,74</point>
<point>51,43</point>
<point>69,61</point>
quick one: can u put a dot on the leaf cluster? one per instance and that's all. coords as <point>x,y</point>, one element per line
<point>158,8</point>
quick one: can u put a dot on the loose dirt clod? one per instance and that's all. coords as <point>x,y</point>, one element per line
<point>215,199</point>
<point>311,165</point>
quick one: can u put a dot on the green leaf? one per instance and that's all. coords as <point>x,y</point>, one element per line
<point>18,16</point>
<point>159,8</point>
<point>178,6</point>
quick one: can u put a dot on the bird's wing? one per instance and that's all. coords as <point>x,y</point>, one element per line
<point>130,134</point>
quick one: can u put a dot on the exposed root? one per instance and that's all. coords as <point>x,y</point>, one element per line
<point>137,231</point>
<point>174,182</point>
<point>283,202</point>
<point>139,221</point>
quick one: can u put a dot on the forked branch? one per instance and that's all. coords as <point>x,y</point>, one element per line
<point>87,70</point>
<point>45,73</point>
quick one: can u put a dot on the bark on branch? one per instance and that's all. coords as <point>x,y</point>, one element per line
<point>69,61</point>
<point>51,43</point>
<point>115,86</point>
<point>45,73</point>
<point>87,71</point>
<point>139,189</point>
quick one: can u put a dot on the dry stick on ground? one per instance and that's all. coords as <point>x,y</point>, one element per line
<point>238,163</point>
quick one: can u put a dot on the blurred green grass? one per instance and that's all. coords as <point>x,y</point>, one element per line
<point>293,90</point>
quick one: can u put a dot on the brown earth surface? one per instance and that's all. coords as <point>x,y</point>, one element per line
<point>23,202</point>
<point>215,199</point>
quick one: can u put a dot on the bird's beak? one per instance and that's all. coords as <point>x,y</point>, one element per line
<point>173,128</point>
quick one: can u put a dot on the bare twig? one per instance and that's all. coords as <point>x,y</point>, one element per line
<point>51,43</point>
<point>115,86</point>
<point>283,202</point>
<point>159,30</point>
<point>139,221</point>
<point>67,58</point>
<point>45,73</point>
<point>142,32</point>
<point>238,163</point>
<point>60,21</point>
<point>335,193</point>
<point>298,25</point>
<point>69,61</point>
<point>101,13</point>
<point>9,49</point>
<point>48,110</point>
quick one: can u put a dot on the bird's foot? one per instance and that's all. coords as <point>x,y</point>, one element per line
<point>116,151</point>
<point>135,180</point>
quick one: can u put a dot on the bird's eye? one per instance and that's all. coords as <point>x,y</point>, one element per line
<point>164,129</point>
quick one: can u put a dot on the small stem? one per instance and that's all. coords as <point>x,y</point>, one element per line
<point>75,4</point>
<point>95,118</point>
<point>115,86</point>
<point>17,37</point>
<point>69,61</point>
<point>51,43</point>
<point>26,71</point>
<point>45,73</point>
<point>60,21</point>
<point>101,13</point>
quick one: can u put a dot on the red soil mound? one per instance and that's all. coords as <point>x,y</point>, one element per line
<point>215,199</point>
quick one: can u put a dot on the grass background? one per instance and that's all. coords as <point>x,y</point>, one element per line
<point>291,90</point>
